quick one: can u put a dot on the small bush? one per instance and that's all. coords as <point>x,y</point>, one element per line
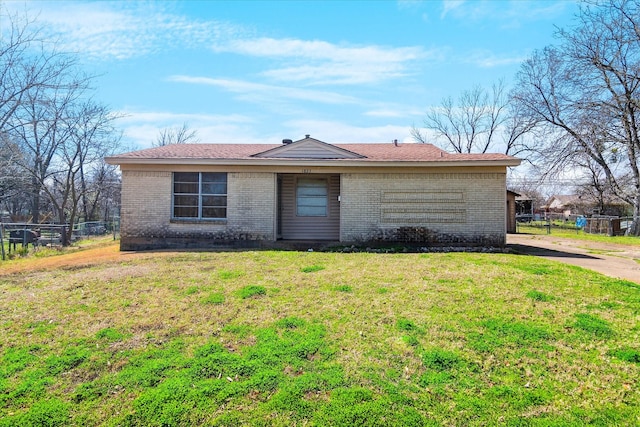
<point>252,291</point>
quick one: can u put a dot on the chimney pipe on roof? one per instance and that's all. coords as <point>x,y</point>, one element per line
<point>307,136</point>
<point>395,142</point>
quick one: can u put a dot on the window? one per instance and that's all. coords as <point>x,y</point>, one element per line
<point>311,197</point>
<point>199,195</point>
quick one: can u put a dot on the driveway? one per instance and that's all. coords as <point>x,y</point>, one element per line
<point>614,260</point>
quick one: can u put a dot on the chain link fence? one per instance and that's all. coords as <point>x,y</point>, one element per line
<point>547,223</point>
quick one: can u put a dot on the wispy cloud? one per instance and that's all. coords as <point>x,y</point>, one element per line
<point>397,111</point>
<point>337,132</point>
<point>141,128</point>
<point>507,14</point>
<point>262,92</point>
<point>449,6</point>
<point>122,30</point>
<point>488,59</point>
<point>320,62</point>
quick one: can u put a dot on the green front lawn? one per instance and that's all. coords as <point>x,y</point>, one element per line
<point>306,338</point>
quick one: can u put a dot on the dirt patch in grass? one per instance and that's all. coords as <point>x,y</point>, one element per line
<point>73,259</point>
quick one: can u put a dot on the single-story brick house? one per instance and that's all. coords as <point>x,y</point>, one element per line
<point>261,195</point>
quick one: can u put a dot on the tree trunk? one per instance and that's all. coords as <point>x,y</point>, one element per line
<point>634,230</point>
<point>35,201</point>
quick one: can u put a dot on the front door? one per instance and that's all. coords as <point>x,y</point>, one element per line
<point>309,207</point>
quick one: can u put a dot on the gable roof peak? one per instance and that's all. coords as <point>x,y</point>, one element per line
<point>308,148</point>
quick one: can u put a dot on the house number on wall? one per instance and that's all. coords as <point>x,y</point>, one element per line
<point>306,170</point>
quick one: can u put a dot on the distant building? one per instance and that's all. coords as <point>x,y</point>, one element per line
<point>574,204</point>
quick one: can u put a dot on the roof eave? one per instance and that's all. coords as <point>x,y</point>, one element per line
<point>313,162</point>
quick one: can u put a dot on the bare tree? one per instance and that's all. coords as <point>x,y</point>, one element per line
<point>53,134</point>
<point>477,122</point>
<point>175,135</point>
<point>586,92</point>
<point>38,126</point>
<point>27,62</point>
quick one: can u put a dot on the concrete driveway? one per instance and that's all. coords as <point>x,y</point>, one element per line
<point>614,260</point>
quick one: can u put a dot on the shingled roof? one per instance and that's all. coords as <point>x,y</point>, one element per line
<point>265,153</point>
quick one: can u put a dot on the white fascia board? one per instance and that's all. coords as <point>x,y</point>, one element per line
<point>312,162</point>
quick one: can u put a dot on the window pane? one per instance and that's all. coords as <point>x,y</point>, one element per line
<point>214,177</point>
<point>214,201</point>
<point>214,188</point>
<point>185,201</point>
<point>185,212</point>
<point>185,177</point>
<point>312,191</point>
<point>214,212</point>
<point>311,197</point>
<point>312,201</point>
<point>312,211</point>
<point>180,187</point>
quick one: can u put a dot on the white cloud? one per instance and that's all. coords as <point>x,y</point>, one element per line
<point>399,111</point>
<point>317,49</point>
<point>258,92</point>
<point>141,128</point>
<point>339,132</point>
<point>488,59</point>
<point>449,6</point>
<point>320,62</point>
<point>121,30</point>
<point>509,14</point>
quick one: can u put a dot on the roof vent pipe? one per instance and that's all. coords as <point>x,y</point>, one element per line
<point>287,141</point>
<point>395,142</point>
<point>307,136</point>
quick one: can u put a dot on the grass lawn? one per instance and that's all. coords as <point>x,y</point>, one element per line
<point>275,338</point>
<point>580,235</point>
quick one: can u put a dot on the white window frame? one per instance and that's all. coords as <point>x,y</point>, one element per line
<point>309,199</point>
<point>200,197</point>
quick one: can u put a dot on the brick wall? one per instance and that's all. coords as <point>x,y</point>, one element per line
<point>146,213</point>
<point>146,203</point>
<point>433,208</point>
<point>437,208</point>
<point>251,203</point>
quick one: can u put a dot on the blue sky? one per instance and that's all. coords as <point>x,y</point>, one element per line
<point>261,71</point>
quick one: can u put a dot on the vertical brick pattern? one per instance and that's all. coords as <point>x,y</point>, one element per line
<point>251,203</point>
<point>452,208</point>
<point>146,203</point>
